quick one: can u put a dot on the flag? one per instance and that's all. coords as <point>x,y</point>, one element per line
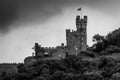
<point>79,9</point>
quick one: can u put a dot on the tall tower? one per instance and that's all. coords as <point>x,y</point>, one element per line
<point>77,40</point>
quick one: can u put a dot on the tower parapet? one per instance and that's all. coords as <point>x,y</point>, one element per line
<point>81,22</point>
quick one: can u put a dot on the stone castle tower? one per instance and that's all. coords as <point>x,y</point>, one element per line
<point>76,41</point>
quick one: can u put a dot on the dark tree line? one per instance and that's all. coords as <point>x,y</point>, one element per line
<point>70,68</point>
<point>110,42</point>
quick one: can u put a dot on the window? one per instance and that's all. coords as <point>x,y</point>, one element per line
<point>46,53</point>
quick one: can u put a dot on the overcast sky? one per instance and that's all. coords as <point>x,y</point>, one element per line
<point>24,22</point>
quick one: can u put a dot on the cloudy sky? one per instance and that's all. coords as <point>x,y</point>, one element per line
<point>24,22</point>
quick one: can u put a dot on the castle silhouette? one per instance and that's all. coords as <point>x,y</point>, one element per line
<point>76,41</point>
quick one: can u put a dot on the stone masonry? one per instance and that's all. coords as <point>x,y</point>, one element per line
<point>77,40</point>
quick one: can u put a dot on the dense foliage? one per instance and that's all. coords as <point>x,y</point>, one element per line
<point>70,68</point>
<point>103,43</point>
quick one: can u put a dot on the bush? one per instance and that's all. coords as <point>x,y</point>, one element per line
<point>110,50</point>
<point>89,53</point>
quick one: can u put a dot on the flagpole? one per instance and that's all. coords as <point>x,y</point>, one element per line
<point>81,12</point>
<point>80,9</point>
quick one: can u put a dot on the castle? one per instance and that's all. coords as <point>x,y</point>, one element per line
<point>76,41</point>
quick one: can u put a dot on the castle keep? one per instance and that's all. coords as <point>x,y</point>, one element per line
<point>76,41</point>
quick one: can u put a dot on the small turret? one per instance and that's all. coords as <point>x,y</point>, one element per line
<point>85,19</point>
<point>77,22</point>
<point>81,23</point>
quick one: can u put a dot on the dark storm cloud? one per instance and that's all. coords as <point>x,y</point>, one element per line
<point>7,13</point>
<point>29,10</point>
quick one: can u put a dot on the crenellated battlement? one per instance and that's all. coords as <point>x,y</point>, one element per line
<point>70,32</point>
<point>52,48</point>
<point>49,48</point>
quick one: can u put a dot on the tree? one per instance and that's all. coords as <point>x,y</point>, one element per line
<point>114,37</point>
<point>102,42</point>
<point>98,38</point>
